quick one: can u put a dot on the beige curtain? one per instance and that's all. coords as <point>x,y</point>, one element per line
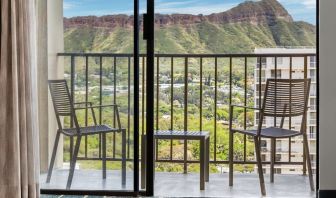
<point>19,170</point>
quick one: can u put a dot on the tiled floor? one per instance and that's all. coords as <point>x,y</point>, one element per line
<point>187,185</point>
<point>66,196</point>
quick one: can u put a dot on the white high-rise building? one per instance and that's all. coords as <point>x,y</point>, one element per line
<point>283,146</point>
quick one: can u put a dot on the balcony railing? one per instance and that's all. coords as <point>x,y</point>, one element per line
<point>312,135</point>
<point>192,93</point>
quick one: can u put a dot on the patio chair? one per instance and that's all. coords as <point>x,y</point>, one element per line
<point>283,98</point>
<point>64,107</point>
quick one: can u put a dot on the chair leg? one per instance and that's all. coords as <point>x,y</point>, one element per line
<point>104,155</point>
<point>260,171</point>
<point>123,161</point>
<point>202,164</point>
<point>308,160</point>
<point>73,162</point>
<point>230,158</point>
<point>71,148</point>
<point>53,156</point>
<point>143,161</point>
<point>207,154</point>
<point>273,145</point>
<point>304,169</point>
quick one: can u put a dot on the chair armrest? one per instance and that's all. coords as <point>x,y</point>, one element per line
<point>79,103</point>
<point>96,106</point>
<point>245,107</point>
<point>82,105</point>
<point>115,107</point>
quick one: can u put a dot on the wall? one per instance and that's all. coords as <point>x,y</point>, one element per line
<point>55,66</point>
<point>327,95</point>
<point>50,42</point>
<point>42,65</point>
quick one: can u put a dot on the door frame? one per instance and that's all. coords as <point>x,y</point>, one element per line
<point>149,36</point>
<point>150,162</point>
<point>150,112</point>
<point>317,169</point>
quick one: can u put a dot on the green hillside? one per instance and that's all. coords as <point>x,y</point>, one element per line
<point>203,37</point>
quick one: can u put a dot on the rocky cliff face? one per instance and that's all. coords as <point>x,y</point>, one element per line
<point>110,21</point>
<point>260,12</point>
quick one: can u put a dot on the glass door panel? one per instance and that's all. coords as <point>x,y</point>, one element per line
<point>97,56</point>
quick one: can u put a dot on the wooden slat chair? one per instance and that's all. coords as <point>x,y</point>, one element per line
<point>64,107</point>
<point>283,98</point>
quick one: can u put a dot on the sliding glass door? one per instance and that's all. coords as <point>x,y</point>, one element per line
<point>90,144</point>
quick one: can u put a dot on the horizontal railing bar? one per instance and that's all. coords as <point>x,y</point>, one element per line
<point>227,162</point>
<point>99,158</point>
<point>94,54</point>
<point>250,55</point>
<point>234,55</point>
<point>191,161</point>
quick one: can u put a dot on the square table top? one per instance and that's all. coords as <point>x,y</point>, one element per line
<point>174,134</point>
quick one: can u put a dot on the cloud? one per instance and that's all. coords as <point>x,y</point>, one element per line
<point>311,4</point>
<point>301,10</point>
<point>69,5</point>
<point>174,3</point>
<point>191,7</point>
<point>108,12</point>
<point>308,4</point>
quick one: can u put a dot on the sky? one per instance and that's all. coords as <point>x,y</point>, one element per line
<point>301,10</point>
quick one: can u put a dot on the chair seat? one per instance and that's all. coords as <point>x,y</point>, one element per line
<point>271,132</point>
<point>90,130</point>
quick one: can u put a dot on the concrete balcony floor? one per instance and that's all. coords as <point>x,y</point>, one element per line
<point>187,185</point>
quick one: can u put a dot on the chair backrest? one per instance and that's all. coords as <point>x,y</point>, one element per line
<point>286,97</point>
<point>62,101</point>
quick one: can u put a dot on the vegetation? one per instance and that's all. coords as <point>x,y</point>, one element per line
<point>164,108</point>
<point>203,37</point>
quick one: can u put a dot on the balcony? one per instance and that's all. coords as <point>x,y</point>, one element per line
<point>192,92</point>
<point>187,185</point>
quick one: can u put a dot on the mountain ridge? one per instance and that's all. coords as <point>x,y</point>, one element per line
<point>250,24</point>
<point>264,11</point>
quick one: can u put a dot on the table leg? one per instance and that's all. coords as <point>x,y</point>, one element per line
<point>143,161</point>
<point>104,155</point>
<point>202,164</point>
<point>207,159</point>
<point>123,161</point>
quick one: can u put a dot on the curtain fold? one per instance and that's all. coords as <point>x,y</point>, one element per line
<point>19,155</point>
